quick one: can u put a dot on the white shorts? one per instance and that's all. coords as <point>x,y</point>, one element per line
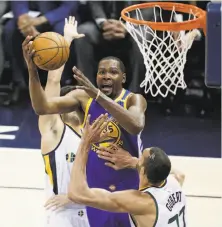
<point>67,218</point>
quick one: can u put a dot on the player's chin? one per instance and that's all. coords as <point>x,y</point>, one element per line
<point>107,92</point>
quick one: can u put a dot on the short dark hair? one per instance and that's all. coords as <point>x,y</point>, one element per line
<point>66,89</point>
<point>157,165</point>
<point>121,65</point>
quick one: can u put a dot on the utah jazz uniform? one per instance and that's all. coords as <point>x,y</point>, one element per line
<point>58,166</point>
<point>170,204</point>
<point>101,176</point>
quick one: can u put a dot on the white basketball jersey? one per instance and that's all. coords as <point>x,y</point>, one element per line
<point>170,203</point>
<point>59,162</point>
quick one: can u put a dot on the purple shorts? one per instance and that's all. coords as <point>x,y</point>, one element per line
<point>101,218</point>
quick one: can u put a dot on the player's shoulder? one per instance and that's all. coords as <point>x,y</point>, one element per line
<point>137,95</point>
<point>135,98</point>
<point>143,195</point>
<point>148,200</point>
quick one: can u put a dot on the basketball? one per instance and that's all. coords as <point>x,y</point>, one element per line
<point>51,51</point>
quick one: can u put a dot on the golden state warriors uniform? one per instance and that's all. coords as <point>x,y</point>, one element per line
<point>101,176</point>
<point>170,204</point>
<point>58,166</point>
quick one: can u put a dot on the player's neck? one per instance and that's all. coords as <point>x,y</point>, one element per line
<point>143,184</point>
<point>115,96</point>
<point>146,184</point>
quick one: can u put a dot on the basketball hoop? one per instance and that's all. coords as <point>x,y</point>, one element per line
<point>164,52</point>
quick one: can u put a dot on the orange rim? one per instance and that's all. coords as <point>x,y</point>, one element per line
<point>198,22</point>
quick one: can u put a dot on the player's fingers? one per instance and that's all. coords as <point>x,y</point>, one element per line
<point>32,53</point>
<point>104,132</point>
<point>102,124</point>
<point>107,36</point>
<point>49,200</point>
<point>104,153</point>
<point>107,149</point>
<point>80,36</point>
<point>27,40</point>
<point>88,121</point>
<point>79,79</point>
<point>119,35</point>
<point>78,72</point>
<point>114,147</point>
<point>50,205</point>
<point>66,21</point>
<point>104,135</point>
<point>73,20</point>
<point>81,87</point>
<point>105,158</point>
<point>57,206</point>
<point>47,203</point>
<point>108,27</point>
<point>24,26</point>
<point>29,46</point>
<point>111,165</point>
<point>75,24</point>
<point>97,121</point>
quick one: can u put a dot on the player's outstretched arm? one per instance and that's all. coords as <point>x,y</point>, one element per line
<point>180,177</point>
<point>53,122</point>
<point>128,201</point>
<point>40,103</point>
<point>131,119</point>
<point>79,191</point>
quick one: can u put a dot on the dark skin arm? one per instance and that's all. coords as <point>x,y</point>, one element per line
<point>132,119</point>
<point>43,105</point>
<point>40,103</point>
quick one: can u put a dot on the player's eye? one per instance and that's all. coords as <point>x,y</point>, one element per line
<point>101,72</point>
<point>114,72</point>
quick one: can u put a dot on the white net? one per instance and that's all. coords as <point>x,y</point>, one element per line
<point>164,52</point>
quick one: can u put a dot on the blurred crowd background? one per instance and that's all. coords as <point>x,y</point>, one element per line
<point>197,100</point>
<point>86,52</point>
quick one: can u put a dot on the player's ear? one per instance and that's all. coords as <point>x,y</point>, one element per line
<point>142,170</point>
<point>124,78</point>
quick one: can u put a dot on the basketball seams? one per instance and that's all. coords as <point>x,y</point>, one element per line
<point>43,37</point>
<point>60,57</point>
<point>58,47</point>
<point>62,48</point>
<point>51,58</point>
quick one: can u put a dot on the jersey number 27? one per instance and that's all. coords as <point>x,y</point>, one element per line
<point>176,218</point>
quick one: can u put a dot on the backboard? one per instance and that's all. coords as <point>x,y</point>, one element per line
<point>213,45</point>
